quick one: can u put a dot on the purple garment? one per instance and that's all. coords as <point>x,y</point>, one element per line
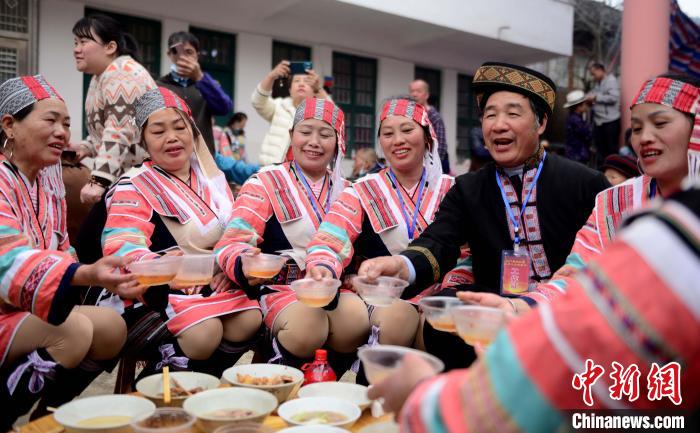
<point>579,134</point>
<point>218,101</point>
<point>439,127</point>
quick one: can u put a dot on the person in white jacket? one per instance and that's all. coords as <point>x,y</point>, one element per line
<point>280,111</point>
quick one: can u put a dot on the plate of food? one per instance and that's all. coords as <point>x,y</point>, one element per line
<point>183,384</point>
<point>279,380</point>
<point>224,406</point>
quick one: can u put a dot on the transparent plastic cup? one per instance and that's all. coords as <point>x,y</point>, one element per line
<point>380,292</point>
<point>477,324</point>
<point>381,360</point>
<point>262,265</point>
<point>195,270</point>
<point>315,293</point>
<point>436,312</point>
<point>164,420</point>
<point>157,271</point>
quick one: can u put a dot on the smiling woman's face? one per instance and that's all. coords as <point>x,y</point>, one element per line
<point>169,139</point>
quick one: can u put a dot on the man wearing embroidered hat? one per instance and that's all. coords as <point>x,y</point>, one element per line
<point>523,209</point>
<point>278,210</point>
<point>579,129</point>
<point>179,199</point>
<point>666,135</point>
<point>45,342</point>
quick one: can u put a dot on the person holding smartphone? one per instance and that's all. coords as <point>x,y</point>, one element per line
<point>202,93</point>
<point>302,82</point>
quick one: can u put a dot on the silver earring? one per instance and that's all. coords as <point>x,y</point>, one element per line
<point>639,167</point>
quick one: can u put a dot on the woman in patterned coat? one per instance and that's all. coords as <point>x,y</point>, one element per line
<point>47,347</point>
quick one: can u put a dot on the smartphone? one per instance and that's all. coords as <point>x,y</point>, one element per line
<point>296,68</point>
<point>178,49</point>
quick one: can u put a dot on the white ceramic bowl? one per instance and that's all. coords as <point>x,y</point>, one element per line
<point>313,429</point>
<point>436,312</point>
<point>381,360</point>
<point>262,265</point>
<point>315,293</point>
<point>477,324</point>
<point>381,427</point>
<point>281,392</point>
<point>164,420</point>
<point>381,292</point>
<point>152,386</point>
<point>292,408</point>
<point>354,393</point>
<point>74,415</point>
<point>157,271</point>
<point>203,404</point>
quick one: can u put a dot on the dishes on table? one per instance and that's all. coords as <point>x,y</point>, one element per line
<point>319,410</point>
<point>182,385</point>
<point>102,413</point>
<point>218,407</point>
<point>353,393</point>
<point>279,380</point>
<point>163,420</point>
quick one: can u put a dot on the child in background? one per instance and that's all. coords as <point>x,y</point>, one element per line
<point>619,168</point>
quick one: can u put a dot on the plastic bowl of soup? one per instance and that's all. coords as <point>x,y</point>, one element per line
<point>183,384</point>
<point>164,420</point>
<point>261,265</point>
<point>195,270</point>
<point>319,411</point>
<point>102,413</point>
<point>279,380</point>
<point>381,291</point>
<point>315,293</point>
<point>436,310</point>
<point>155,272</point>
<point>381,360</point>
<point>477,324</point>
<point>219,407</point>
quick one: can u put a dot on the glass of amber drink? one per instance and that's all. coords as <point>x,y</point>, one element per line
<point>381,360</point>
<point>315,293</point>
<point>261,265</point>
<point>195,270</point>
<point>436,312</point>
<point>477,324</point>
<point>156,271</point>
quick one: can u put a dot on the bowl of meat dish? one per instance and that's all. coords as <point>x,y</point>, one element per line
<point>164,420</point>
<point>215,408</point>
<point>319,411</point>
<point>279,380</point>
<point>183,384</point>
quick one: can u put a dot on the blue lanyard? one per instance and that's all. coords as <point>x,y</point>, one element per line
<point>310,193</point>
<point>411,228</point>
<point>652,188</point>
<point>516,222</point>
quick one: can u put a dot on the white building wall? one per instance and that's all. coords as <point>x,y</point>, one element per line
<point>56,20</point>
<point>253,60</point>
<point>448,110</point>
